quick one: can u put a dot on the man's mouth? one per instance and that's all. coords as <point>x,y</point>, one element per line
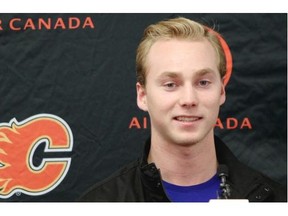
<point>187,118</point>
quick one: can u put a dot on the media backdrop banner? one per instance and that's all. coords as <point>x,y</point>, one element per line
<point>68,113</point>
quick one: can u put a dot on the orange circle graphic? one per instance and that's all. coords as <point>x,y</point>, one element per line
<point>228,57</point>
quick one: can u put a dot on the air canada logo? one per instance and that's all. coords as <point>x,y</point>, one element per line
<point>228,56</point>
<point>18,143</point>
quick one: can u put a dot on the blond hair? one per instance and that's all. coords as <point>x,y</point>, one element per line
<point>180,28</point>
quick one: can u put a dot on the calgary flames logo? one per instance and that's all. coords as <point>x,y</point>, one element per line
<point>18,142</point>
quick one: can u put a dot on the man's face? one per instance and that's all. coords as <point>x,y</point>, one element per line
<point>183,91</point>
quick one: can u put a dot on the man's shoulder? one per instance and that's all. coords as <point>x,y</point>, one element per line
<point>279,190</point>
<point>247,180</point>
<point>257,184</point>
<point>110,188</point>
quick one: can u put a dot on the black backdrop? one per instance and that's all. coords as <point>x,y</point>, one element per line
<point>80,70</point>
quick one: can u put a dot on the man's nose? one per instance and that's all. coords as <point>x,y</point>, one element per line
<point>188,97</point>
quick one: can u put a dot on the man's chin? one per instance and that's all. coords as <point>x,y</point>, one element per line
<point>187,141</point>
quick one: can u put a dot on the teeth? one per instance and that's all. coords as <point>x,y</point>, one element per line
<point>187,119</point>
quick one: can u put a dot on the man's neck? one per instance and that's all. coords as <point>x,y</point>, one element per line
<point>185,165</point>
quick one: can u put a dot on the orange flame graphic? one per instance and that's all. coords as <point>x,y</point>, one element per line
<point>18,142</point>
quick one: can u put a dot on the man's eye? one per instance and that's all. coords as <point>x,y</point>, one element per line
<point>204,83</point>
<point>170,85</point>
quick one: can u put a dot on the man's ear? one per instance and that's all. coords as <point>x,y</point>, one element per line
<point>141,96</point>
<point>223,93</point>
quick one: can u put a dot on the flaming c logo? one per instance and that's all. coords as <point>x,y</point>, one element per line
<point>18,142</point>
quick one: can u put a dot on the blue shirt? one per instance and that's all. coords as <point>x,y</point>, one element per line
<point>196,193</point>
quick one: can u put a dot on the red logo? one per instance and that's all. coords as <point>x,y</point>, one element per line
<point>18,142</point>
<point>228,57</point>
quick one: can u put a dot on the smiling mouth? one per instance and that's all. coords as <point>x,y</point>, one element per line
<point>187,118</point>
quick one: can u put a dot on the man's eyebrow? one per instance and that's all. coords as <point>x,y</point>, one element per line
<point>169,75</point>
<point>201,72</point>
<point>176,75</point>
<point>204,71</point>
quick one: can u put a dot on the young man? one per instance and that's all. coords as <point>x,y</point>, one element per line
<point>180,71</point>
